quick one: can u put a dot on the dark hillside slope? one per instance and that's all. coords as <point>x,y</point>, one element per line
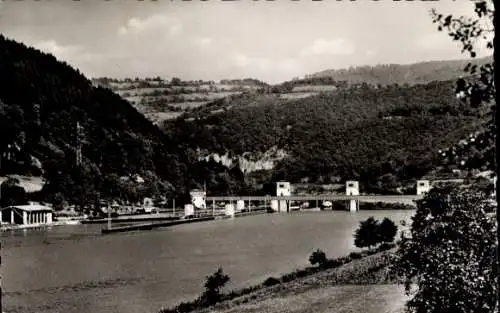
<point>41,101</point>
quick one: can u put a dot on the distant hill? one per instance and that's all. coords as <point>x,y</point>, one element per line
<point>159,99</point>
<point>386,74</point>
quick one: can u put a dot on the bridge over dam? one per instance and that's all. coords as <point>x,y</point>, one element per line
<point>283,203</point>
<point>361,198</point>
<point>283,199</point>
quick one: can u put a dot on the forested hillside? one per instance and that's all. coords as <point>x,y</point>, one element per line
<point>382,136</point>
<point>41,102</point>
<point>386,74</point>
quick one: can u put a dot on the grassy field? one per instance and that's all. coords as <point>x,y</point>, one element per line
<point>362,285</point>
<point>337,299</point>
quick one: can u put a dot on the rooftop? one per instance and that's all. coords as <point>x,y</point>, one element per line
<point>31,208</point>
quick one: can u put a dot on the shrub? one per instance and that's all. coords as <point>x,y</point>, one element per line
<point>271,281</point>
<point>449,261</point>
<point>355,255</point>
<point>318,257</point>
<point>385,246</point>
<point>213,284</point>
<point>387,230</point>
<point>366,234</point>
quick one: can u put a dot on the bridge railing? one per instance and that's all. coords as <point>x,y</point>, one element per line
<point>314,198</point>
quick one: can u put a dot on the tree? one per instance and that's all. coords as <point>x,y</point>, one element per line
<point>366,234</point>
<point>448,263</point>
<point>213,284</point>
<point>318,257</point>
<point>176,81</point>
<point>471,32</point>
<point>11,193</point>
<point>387,230</point>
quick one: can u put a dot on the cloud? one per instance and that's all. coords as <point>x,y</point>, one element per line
<point>289,64</point>
<point>51,46</point>
<point>338,46</point>
<point>433,41</point>
<point>242,60</point>
<point>370,52</point>
<point>203,42</point>
<point>74,55</point>
<point>153,23</point>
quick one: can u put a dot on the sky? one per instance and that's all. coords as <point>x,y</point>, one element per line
<point>212,40</point>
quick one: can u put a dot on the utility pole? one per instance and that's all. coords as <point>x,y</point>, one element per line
<point>109,216</point>
<point>79,137</point>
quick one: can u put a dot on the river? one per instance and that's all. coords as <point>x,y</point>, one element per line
<point>74,269</point>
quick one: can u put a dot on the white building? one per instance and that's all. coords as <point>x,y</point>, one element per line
<point>188,210</point>
<point>352,189</point>
<point>26,215</point>
<point>423,186</point>
<point>198,199</point>
<point>283,189</point>
<point>229,210</point>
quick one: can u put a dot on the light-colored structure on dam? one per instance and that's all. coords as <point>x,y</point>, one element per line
<point>352,189</point>
<point>229,210</point>
<point>198,199</point>
<point>423,186</point>
<point>188,210</point>
<point>283,189</point>
<point>240,205</point>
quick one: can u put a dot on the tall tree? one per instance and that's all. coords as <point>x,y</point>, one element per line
<point>449,262</point>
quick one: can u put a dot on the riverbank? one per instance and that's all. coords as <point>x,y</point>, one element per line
<point>338,286</point>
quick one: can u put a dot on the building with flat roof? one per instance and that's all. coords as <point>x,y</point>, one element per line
<point>423,186</point>
<point>30,214</point>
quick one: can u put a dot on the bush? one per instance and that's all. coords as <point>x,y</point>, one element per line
<point>450,255</point>
<point>366,234</point>
<point>387,230</point>
<point>271,281</point>
<point>372,232</point>
<point>355,255</point>
<point>213,285</point>
<point>318,257</point>
<point>386,246</point>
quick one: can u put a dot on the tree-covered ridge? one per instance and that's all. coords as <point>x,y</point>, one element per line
<point>386,74</point>
<point>380,135</point>
<point>41,102</point>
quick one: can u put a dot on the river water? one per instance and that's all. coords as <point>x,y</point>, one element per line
<point>76,269</point>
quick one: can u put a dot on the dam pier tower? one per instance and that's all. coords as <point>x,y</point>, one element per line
<point>352,189</point>
<point>283,189</point>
